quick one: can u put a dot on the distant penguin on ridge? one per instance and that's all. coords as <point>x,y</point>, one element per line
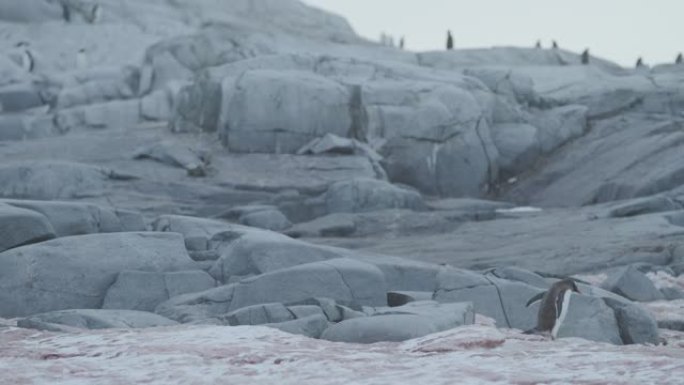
<point>679,59</point>
<point>538,45</point>
<point>639,63</point>
<point>554,44</point>
<point>81,59</point>
<point>24,57</point>
<point>585,56</point>
<point>450,41</point>
<point>94,15</point>
<point>555,303</point>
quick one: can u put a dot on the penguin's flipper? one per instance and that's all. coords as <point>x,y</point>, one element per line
<point>536,298</point>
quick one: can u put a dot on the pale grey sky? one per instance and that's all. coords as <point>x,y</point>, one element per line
<point>619,30</point>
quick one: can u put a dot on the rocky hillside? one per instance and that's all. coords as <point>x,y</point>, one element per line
<point>251,162</point>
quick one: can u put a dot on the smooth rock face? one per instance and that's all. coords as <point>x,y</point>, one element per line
<point>642,206</point>
<point>288,96</point>
<point>70,218</point>
<point>401,323</point>
<point>140,290</point>
<point>393,327</point>
<point>75,272</point>
<point>312,326</point>
<point>198,307</point>
<point>590,318</point>
<point>93,319</point>
<point>259,315</point>
<point>344,280</point>
<point>359,195</point>
<point>273,220</point>
<point>258,252</point>
<point>51,180</point>
<point>637,326</point>
<point>20,227</point>
<point>633,284</point>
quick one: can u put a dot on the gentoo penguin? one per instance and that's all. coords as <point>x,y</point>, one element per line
<point>585,56</point>
<point>66,13</point>
<point>538,44</point>
<point>94,15</point>
<point>554,45</point>
<point>450,41</point>
<point>554,307</point>
<point>679,59</point>
<point>81,59</point>
<point>24,57</point>
<point>640,62</point>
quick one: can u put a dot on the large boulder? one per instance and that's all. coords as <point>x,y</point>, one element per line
<point>259,315</point>
<point>111,114</point>
<point>344,280</point>
<point>75,272</point>
<point>359,195</point>
<point>391,327</point>
<point>414,320</point>
<point>590,318</point>
<point>631,283</point>
<point>75,218</point>
<point>311,326</point>
<point>141,290</point>
<point>65,320</point>
<point>518,146</point>
<point>198,307</point>
<point>641,206</point>
<point>269,219</point>
<point>53,180</point>
<point>258,252</point>
<point>20,227</point>
<point>19,11</point>
<point>301,106</point>
<point>19,97</point>
<point>637,326</point>
<point>437,137</point>
<point>322,284</point>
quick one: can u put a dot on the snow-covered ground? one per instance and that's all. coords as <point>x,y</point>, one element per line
<point>477,354</point>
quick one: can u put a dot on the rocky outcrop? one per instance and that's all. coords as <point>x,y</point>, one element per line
<point>76,272</point>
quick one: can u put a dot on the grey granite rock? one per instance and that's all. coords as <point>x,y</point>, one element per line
<point>399,324</point>
<point>21,227</point>
<point>521,275</point>
<point>400,298</point>
<point>140,290</point>
<point>75,272</point>
<point>75,218</point>
<point>266,219</point>
<point>640,206</point>
<point>393,327</point>
<point>65,320</point>
<point>312,326</point>
<point>632,284</point>
<point>637,325</point>
<point>344,280</point>
<point>52,180</point>
<point>359,195</point>
<point>198,307</point>
<point>259,315</point>
<point>590,318</point>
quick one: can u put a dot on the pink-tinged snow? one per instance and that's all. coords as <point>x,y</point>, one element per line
<point>476,354</point>
<point>662,280</point>
<point>666,310</point>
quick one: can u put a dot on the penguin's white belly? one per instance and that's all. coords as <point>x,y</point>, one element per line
<point>563,313</point>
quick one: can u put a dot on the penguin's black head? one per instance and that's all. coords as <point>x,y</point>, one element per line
<point>568,284</point>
